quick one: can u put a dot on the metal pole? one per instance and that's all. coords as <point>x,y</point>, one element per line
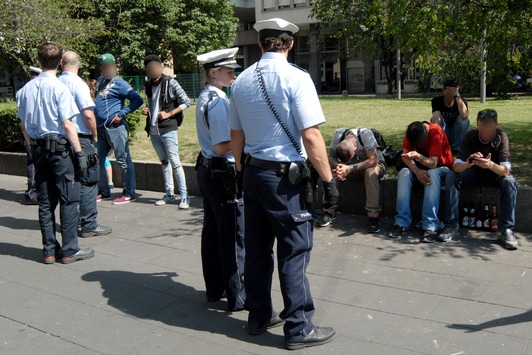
<point>398,70</point>
<point>483,70</point>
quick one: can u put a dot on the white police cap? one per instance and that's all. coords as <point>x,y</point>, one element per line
<point>219,58</point>
<point>275,27</point>
<point>35,70</point>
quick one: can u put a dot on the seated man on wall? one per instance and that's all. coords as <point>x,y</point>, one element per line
<point>428,158</point>
<point>451,113</point>
<point>484,159</point>
<point>359,155</point>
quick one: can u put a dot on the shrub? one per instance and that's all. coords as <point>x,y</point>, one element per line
<point>10,135</point>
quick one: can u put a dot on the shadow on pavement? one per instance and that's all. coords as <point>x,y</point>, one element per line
<point>177,305</point>
<point>510,320</point>
<point>19,223</point>
<point>9,195</point>
<point>22,252</point>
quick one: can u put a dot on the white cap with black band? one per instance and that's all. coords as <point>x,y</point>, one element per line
<point>275,27</point>
<point>219,58</point>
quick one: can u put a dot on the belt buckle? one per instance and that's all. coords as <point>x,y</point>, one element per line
<point>282,169</point>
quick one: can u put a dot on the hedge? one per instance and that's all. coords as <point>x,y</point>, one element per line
<point>11,137</point>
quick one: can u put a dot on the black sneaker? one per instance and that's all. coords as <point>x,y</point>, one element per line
<point>429,236</point>
<point>374,225</point>
<point>397,231</point>
<point>82,254</point>
<point>326,219</point>
<point>100,230</point>
<point>449,233</point>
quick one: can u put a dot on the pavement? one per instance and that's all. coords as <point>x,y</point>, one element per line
<point>143,292</point>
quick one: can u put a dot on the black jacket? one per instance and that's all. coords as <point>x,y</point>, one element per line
<point>166,104</point>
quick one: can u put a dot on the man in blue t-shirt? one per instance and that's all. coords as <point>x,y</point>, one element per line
<point>113,130</point>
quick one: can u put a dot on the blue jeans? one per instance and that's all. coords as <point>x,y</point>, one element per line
<point>116,138</point>
<point>31,193</point>
<point>455,132</point>
<point>473,176</point>
<point>431,198</point>
<point>167,148</point>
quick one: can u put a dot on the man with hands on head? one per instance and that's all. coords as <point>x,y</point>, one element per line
<point>484,158</point>
<point>427,158</point>
<point>355,153</point>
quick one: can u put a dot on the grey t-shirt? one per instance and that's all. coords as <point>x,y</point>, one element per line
<point>363,135</point>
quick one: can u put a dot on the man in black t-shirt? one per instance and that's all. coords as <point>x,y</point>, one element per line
<point>484,159</point>
<point>451,113</point>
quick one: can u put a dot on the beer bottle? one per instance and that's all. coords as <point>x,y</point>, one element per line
<point>472,218</point>
<point>486,222</point>
<point>494,221</point>
<point>465,219</point>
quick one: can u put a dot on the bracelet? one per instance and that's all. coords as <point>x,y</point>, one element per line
<point>352,168</point>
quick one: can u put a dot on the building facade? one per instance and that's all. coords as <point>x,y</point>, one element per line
<point>319,56</point>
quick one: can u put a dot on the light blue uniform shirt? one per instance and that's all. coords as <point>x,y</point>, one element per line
<point>82,96</point>
<point>216,129</point>
<point>43,104</point>
<point>294,97</point>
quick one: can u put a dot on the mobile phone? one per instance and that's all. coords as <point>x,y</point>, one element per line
<point>470,160</point>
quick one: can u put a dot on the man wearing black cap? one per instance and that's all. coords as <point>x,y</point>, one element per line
<point>451,113</point>
<point>274,117</point>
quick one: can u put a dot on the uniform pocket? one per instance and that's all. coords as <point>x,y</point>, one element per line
<point>71,190</point>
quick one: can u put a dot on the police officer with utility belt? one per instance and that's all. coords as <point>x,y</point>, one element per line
<point>222,237</point>
<point>274,117</point>
<point>46,109</point>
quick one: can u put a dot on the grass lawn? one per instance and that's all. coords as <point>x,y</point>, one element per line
<point>390,117</point>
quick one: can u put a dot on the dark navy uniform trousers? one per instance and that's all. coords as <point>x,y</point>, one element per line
<point>222,241</point>
<point>275,209</point>
<point>88,211</point>
<point>54,177</point>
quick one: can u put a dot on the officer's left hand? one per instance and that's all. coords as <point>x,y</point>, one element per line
<point>115,121</point>
<point>80,164</point>
<point>330,192</point>
<point>164,115</point>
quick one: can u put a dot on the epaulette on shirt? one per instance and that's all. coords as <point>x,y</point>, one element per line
<point>298,67</point>
<point>213,96</point>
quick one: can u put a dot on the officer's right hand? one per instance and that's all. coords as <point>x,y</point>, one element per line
<point>330,192</point>
<point>80,164</point>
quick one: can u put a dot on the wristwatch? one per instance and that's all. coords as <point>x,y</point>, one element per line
<point>457,94</point>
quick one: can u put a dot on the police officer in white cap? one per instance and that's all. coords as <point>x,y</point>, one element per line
<point>222,238</point>
<point>274,117</point>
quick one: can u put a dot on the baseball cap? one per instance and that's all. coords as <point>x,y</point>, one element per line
<point>106,58</point>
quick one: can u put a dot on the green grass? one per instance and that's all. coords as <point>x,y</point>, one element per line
<point>390,117</point>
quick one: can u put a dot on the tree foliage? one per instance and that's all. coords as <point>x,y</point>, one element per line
<point>174,29</point>
<point>444,37</point>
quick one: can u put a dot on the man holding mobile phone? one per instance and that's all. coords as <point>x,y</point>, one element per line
<point>484,158</point>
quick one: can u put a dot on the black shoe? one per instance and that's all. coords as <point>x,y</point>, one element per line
<point>508,239</point>
<point>259,328</point>
<point>211,299</point>
<point>449,233</point>
<point>30,202</point>
<point>318,336</point>
<point>374,225</point>
<point>99,230</point>
<point>429,236</point>
<point>326,219</point>
<point>397,231</point>
<point>82,254</point>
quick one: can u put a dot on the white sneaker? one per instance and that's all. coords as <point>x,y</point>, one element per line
<point>184,203</point>
<point>166,199</point>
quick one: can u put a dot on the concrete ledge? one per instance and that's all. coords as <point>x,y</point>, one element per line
<point>149,176</point>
